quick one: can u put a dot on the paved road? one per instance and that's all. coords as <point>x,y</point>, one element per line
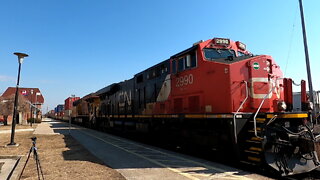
<point>136,161</point>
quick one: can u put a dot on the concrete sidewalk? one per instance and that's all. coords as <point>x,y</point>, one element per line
<point>45,127</point>
<point>50,127</point>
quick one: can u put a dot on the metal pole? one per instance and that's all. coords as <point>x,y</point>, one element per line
<point>15,109</point>
<point>30,114</point>
<point>35,112</point>
<point>307,57</point>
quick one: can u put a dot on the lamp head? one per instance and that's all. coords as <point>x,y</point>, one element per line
<point>21,56</point>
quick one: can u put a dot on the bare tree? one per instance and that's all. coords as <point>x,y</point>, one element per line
<point>6,108</point>
<point>7,103</point>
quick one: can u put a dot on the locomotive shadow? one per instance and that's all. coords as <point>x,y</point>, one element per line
<point>76,151</point>
<point>117,158</point>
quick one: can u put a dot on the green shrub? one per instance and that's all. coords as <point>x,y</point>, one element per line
<point>34,120</point>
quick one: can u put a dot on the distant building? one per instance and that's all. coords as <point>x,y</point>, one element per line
<point>31,96</point>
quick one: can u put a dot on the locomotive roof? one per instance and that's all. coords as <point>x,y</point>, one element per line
<point>151,67</point>
<point>76,102</point>
<point>85,98</point>
<point>111,89</point>
<point>89,96</point>
<point>104,90</point>
<point>185,51</point>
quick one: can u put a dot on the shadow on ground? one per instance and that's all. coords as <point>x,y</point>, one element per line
<point>75,151</point>
<point>120,158</point>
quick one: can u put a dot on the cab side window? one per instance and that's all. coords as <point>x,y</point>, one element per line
<point>174,66</point>
<point>193,56</point>
<point>181,64</point>
<point>185,62</point>
<point>191,60</point>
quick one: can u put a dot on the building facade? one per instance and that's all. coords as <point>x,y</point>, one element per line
<point>29,105</point>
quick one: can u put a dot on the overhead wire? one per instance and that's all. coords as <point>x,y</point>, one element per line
<point>290,41</point>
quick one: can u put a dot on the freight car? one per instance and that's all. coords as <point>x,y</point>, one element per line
<point>214,94</point>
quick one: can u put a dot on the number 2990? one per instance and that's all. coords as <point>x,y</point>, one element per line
<point>184,80</point>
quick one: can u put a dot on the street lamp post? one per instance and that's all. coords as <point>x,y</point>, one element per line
<point>35,110</point>
<point>306,52</point>
<point>36,107</point>
<point>31,112</point>
<point>21,56</point>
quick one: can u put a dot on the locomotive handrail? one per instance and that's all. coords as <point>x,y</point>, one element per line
<point>296,84</point>
<point>234,116</point>
<point>255,115</point>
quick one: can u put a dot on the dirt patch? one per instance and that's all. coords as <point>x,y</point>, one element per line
<point>18,126</point>
<point>61,157</point>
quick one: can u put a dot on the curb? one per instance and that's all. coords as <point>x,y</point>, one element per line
<point>15,174</point>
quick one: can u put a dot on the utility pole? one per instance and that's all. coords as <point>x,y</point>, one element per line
<point>307,57</point>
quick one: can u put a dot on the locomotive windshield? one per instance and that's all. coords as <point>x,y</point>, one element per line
<point>241,54</point>
<point>212,54</point>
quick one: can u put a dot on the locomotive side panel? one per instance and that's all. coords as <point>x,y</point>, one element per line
<point>151,89</point>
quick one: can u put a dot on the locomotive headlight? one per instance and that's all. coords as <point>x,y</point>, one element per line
<point>267,63</point>
<point>282,106</point>
<point>241,45</point>
<point>267,69</point>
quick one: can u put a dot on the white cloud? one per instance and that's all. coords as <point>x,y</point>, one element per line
<point>6,78</point>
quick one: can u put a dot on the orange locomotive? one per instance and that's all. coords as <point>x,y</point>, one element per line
<point>218,95</point>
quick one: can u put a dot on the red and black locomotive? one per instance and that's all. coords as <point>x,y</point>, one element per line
<point>215,94</point>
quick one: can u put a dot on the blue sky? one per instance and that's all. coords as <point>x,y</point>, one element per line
<point>80,46</point>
